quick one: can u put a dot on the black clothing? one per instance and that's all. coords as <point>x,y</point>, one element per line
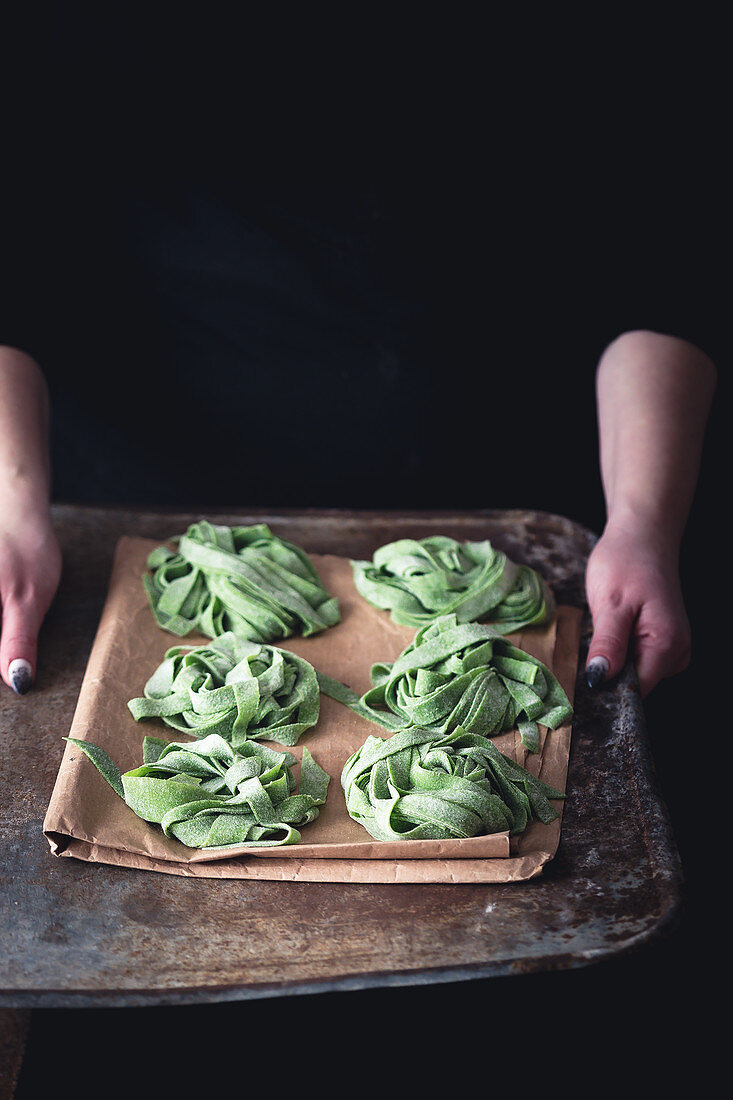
<point>212,344</point>
<point>419,331</point>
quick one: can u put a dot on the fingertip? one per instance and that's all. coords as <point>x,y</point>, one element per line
<point>597,670</point>
<point>20,675</point>
<point>608,648</point>
<point>18,649</point>
<point>606,657</point>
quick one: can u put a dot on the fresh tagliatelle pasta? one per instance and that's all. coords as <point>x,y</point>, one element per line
<point>416,785</point>
<point>235,688</point>
<point>460,674</point>
<point>207,794</point>
<point>419,580</point>
<point>216,579</point>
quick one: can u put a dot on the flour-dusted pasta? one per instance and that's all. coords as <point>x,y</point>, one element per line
<point>207,794</point>
<point>418,580</point>
<point>245,580</point>
<point>416,785</point>
<point>460,674</point>
<point>238,689</point>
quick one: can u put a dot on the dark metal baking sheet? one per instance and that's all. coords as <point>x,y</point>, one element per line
<point>77,934</point>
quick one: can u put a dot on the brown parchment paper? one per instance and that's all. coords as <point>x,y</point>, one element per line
<point>87,820</point>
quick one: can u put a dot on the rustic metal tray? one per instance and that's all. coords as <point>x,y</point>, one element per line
<point>80,934</point>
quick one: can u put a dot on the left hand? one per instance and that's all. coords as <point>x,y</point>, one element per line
<point>635,598</point>
<point>30,570</point>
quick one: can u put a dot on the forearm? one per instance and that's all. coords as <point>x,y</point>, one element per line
<point>654,394</point>
<point>25,471</point>
<point>30,558</point>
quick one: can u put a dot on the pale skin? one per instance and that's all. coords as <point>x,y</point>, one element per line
<point>30,558</point>
<point>654,394</point>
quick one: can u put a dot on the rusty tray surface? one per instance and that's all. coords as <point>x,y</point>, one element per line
<point>79,934</point>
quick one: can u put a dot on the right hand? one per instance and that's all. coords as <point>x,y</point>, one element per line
<point>30,571</point>
<point>635,598</point>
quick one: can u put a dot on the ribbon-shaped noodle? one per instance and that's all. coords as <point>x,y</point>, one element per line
<point>209,795</point>
<point>416,785</point>
<point>460,674</point>
<point>238,689</point>
<point>420,580</point>
<point>240,579</point>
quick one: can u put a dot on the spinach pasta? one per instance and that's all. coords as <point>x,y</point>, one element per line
<point>419,580</point>
<point>416,785</point>
<point>238,689</point>
<point>460,674</point>
<point>206,794</point>
<point>244,580</point>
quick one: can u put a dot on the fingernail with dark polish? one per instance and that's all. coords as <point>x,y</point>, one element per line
<point>596,671</point>
<point>20,674</point>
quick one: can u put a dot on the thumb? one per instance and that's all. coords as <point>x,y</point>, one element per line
<point>18,647</point>
<point>612,625</point>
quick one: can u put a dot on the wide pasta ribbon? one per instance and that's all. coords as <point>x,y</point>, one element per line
<point>460,674</point>
<point>419,580</point>
<point>238,689</point>
<point>240,579</point>
<point>209,795</point>
<point>416,785</point>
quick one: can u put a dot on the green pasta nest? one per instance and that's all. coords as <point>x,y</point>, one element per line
<point>207,794</point>
<point>415,785</point>
<point>243,580</point>
<point>421,580</point>
<point>460,674</point>
<point>238,689</point>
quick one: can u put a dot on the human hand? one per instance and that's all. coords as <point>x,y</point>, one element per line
<point>635,598</point>
<point>30,570</point>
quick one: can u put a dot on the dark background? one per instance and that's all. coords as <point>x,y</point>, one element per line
<point>489,211</point>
